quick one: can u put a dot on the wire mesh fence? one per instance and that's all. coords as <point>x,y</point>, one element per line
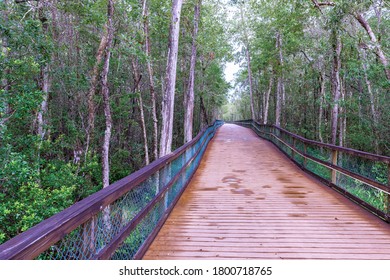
<point>128,214</point>
<point>362,176</point>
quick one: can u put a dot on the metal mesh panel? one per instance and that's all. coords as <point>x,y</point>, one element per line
<point>299,159</point>
<point>372,196</point>
<point>138,236</point>
<point>88,239</point>
<point>300,146</point>
<point>374,170</point>
<point>318,152</point>
<point>319,169</point>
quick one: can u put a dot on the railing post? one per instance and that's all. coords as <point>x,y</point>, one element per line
<point>305,152</point>
<point>334,162</point>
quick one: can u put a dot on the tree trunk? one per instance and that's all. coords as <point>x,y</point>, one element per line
<point>278,105</point>
<point>5,113</point>
<point>145,14</point>
<point>137,89</point>
<point>92,89</point>
<point>260,95</point>
<point>378,12</point>
<point>369,88</point>
<point>374,112</point>
<point>336,85</point>
<point>280,95</point>
<point>44,79</point>
<point>266,99</point>
<point>205,119</point>
<point>378,49</point>
<point>106,95</point>
<point>321,111</point>
<point>248,60</point>
<point>170,81</point>
<point>45,86</point>
<point>342,121</point>
<point>190,97</point>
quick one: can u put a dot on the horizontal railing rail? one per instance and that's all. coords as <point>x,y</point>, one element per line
<point>120,221</point>
<point>363,177</point>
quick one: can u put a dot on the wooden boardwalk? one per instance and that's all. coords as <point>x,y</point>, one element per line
<point>248,201</point>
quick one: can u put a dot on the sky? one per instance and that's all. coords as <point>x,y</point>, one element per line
<point>230,70</point>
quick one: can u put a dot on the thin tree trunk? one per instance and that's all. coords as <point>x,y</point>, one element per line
<point>278,105</point>
<point>190,96</point>
<point>321,111</point>
<point>92,88</point>
<point>374,113</point>
<point>137,89</point>
<point>280,95</point>
<point>205,119</point>
<point>259,113</point>
<point>378,12</point>
<point>6,113</point>
<point>248,60</point>
<point>336,85</point>
<point>378,49</point>
<point>44,80</point>
<point>369,89</point>
<point>170,81</point>
<point>107,112</point>
<point>106,95</point>
<point>266,99</point>
<point>145,14</point>
<point>342,116</point>
<point>45,86</point>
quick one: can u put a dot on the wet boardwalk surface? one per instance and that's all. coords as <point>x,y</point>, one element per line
<point>248,201</point>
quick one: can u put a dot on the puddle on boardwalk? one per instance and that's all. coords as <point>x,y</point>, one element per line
<point>284,180</point>
<point>299,202</point>
<point>267,187</point>
<point>294,187</point>
<point>209,189</point>
<point>239,171</point>
<point>231,179</point>
<point>291,193</point>
<point>246,192</point>
<point>297,215</point>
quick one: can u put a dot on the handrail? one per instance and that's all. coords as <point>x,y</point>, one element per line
<point>100,223</point>
<point>347,170</point>
<point>367,155</point>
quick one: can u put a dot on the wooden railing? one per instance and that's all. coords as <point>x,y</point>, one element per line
<point>120,221</point>
<point>361,176</point>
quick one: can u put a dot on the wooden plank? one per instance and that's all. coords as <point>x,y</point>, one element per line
<point>247,200</point>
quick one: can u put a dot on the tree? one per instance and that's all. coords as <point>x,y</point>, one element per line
<point>170,80</point>
<point>145,15</point>
<point>106,95</point>
<point>190,96</point>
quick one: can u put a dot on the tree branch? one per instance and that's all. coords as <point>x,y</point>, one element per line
<point>307,57</point>
<point>321,4</point>
<point>24,1</point>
